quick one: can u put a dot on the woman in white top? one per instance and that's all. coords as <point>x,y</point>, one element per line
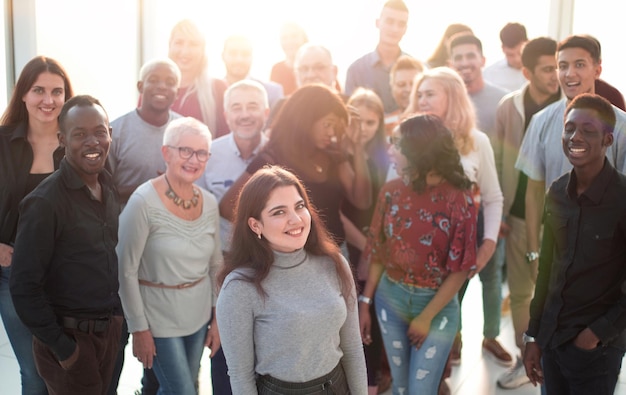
<point>441,91</point>
<point>169,253</point>
<point>287,307</point>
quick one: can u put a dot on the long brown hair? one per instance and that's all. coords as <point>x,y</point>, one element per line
<point>291,138</point>
<point>16,111</point>
<point>248,251</point>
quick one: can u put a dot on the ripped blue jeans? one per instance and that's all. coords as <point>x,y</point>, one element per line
<point>414,371</point>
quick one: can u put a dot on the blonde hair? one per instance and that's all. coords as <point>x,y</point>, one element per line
<point>460,115</point>
<point>202,84</point>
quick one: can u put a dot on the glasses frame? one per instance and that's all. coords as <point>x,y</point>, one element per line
<point>183,152</point>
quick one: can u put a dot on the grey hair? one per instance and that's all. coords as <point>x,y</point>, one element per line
<point>246,85</point>
<point>187,125</point>
<point>152,64</point>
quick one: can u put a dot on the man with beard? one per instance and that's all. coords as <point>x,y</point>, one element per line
<point>64,281</point>
<point>246,110</point>
<point>466,57</point>
<point>514,114</point>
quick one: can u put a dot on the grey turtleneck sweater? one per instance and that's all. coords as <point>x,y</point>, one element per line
<point>299,332</point>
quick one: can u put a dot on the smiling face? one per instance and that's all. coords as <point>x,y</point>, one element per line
<point>431,98</point>
<point>246,113</point>
<point>584,138</point>
<point>577,71</point>
<point>468,61</point>
<point>45,98</point>
<point>324,131</point>
<point>285,221</point>
<point>159,88</point>
<point>86,136</point>
<point>187,52</point>
<point>188,170</point>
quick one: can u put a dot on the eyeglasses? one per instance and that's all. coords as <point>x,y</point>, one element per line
<point>187,152</point>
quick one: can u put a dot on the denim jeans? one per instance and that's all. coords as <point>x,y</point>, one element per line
<point>414,371</point>
<point>21,340</point>
<point>571,370</point>
<point>177,362</point>
<point>491,279</point>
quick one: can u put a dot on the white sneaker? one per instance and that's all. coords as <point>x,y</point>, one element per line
<point>514,377</point>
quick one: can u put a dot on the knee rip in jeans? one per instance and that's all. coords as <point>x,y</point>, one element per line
<point>401,390</point>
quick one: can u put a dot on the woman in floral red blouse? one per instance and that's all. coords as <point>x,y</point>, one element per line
<point>421,247</point>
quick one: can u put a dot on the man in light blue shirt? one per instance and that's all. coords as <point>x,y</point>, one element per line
<point>246,109</point>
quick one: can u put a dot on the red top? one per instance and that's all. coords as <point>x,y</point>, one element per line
<point>421,238</point>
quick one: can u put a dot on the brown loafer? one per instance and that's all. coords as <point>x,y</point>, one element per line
<point>499,354</point>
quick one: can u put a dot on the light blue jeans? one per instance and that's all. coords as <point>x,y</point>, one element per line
<point>414,371</point>
<point>177,362</point>
<point>21,340</point>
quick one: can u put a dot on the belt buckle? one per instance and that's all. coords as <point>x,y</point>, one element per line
<point>185,285</point>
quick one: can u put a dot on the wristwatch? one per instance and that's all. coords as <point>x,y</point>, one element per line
<point>527,339</point>
<point>532,256</point>
<point>365,299</point>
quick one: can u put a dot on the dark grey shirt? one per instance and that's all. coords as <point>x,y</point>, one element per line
<point>582,267</point>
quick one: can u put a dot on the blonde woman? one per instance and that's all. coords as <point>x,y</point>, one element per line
<point>199,96</point>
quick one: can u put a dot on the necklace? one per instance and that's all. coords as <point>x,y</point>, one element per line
<point>318,168</point>
<point>186,204</point>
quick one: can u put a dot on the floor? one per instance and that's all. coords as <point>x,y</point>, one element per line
<point>476,374</point>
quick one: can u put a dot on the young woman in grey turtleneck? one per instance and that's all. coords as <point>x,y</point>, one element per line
<point>287,307</point>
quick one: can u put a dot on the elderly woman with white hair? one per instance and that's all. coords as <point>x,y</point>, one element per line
<point>169,252</point>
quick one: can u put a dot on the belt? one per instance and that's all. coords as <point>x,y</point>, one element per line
<point>97,325</point>
<point>179,286</point>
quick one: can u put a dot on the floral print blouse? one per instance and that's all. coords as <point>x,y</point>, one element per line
<point>422,237</point>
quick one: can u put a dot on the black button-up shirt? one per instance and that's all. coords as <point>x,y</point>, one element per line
<point>582,267</point>
<point>16,160</point>
<point>64,263</point>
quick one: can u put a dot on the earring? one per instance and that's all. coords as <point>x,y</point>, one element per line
<point>259,235</point>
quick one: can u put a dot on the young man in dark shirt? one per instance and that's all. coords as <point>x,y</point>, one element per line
<point>64,281</point>
<point>576,339</point>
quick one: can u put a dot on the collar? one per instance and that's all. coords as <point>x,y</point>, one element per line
<point>72,180</point>
<point>20,132</point>
<point>233,145</point>
<point>287,260</point>
<point>373,58</point>
<point>598,186</point>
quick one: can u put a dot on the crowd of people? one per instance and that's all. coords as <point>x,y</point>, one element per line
<point>318,240</point>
